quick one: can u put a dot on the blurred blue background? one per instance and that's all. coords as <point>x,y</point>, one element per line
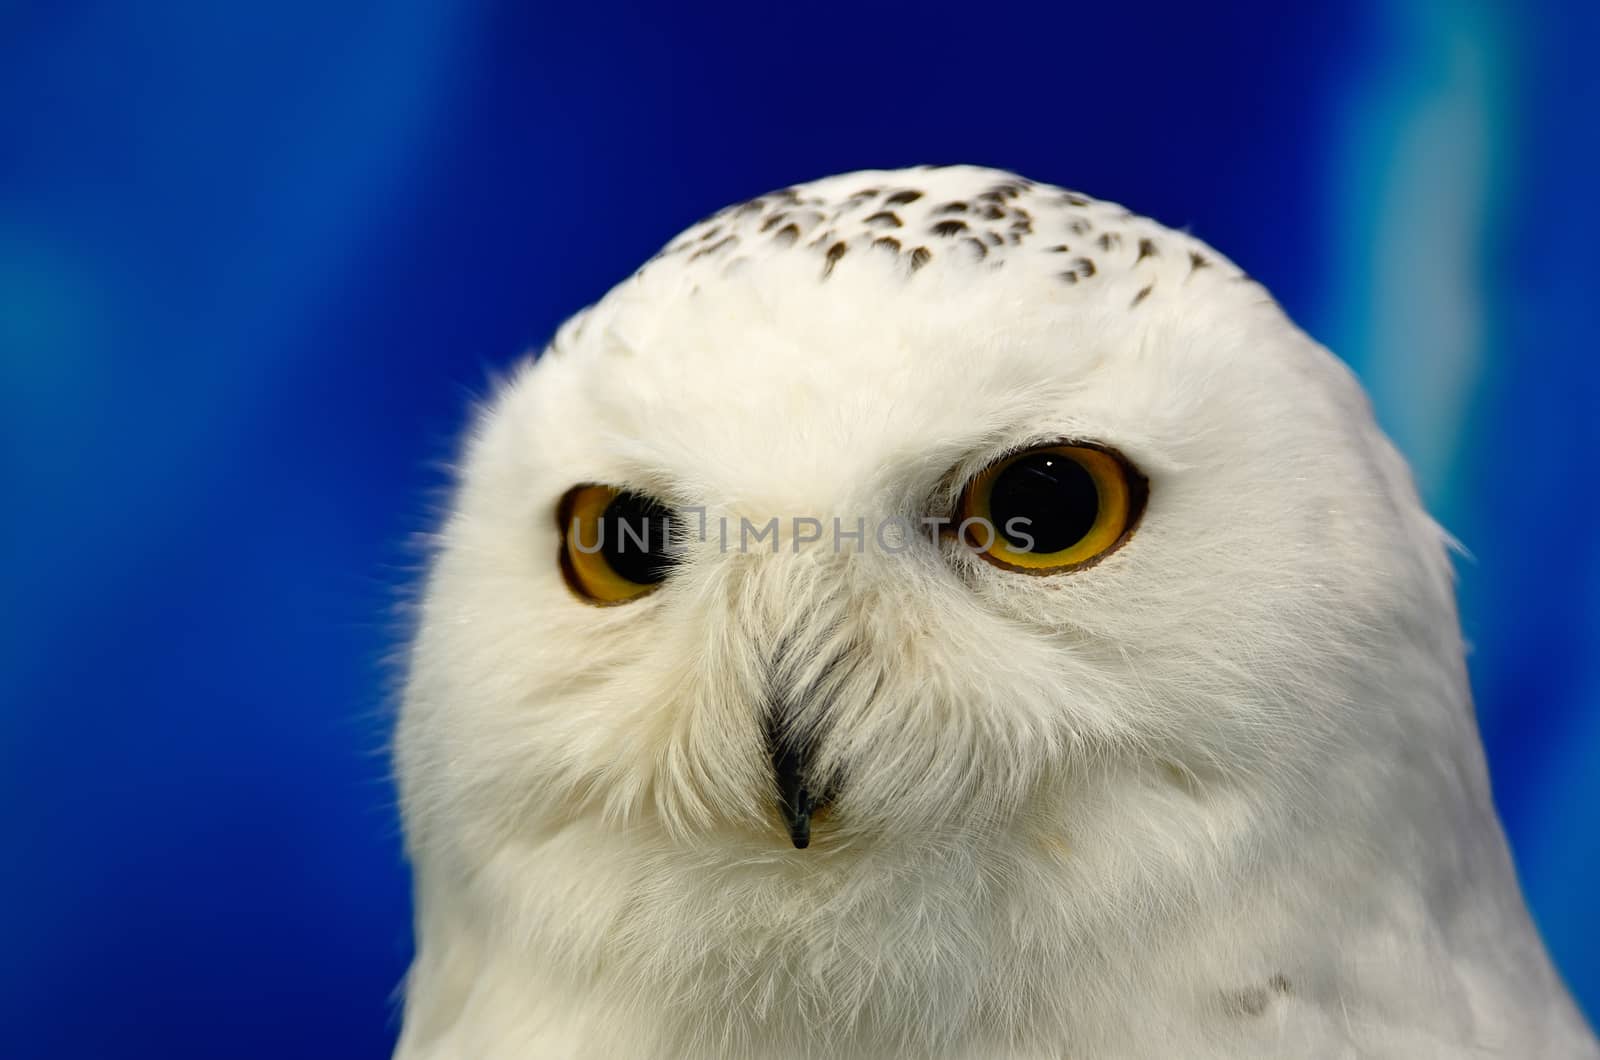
<point>255,261</point>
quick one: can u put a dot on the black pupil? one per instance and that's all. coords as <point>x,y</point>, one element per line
<point>636,535</point>
<point>1051,497</point>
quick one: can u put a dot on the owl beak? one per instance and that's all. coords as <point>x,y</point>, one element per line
<point>796,801</point>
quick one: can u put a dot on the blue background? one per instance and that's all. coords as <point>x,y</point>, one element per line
<point>255,262</point>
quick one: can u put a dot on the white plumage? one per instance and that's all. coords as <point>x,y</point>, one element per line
<point>1219,795</point>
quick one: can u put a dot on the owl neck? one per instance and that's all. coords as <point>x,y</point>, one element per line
<point>1198,901</point>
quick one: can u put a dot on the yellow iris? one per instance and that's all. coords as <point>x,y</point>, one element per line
<point>611,543</point>
<point>1051,509</point>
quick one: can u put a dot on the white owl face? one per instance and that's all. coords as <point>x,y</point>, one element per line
<point>849,357</point>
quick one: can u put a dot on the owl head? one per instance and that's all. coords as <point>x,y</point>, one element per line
<point>928,523</point>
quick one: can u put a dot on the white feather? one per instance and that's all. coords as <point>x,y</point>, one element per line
<point>1221,795</point>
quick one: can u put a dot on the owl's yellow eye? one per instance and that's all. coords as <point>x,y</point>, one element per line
<point>616,545</point>
<point>1052,509</point>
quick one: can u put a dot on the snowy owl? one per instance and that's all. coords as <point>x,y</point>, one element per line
<point>928,613</point>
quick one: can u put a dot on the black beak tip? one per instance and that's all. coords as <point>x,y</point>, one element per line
<point>800,828</point>
<point>797,806</point>
<point>796,801</point>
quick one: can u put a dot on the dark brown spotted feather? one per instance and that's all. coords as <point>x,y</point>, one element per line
<point>987,224</point>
